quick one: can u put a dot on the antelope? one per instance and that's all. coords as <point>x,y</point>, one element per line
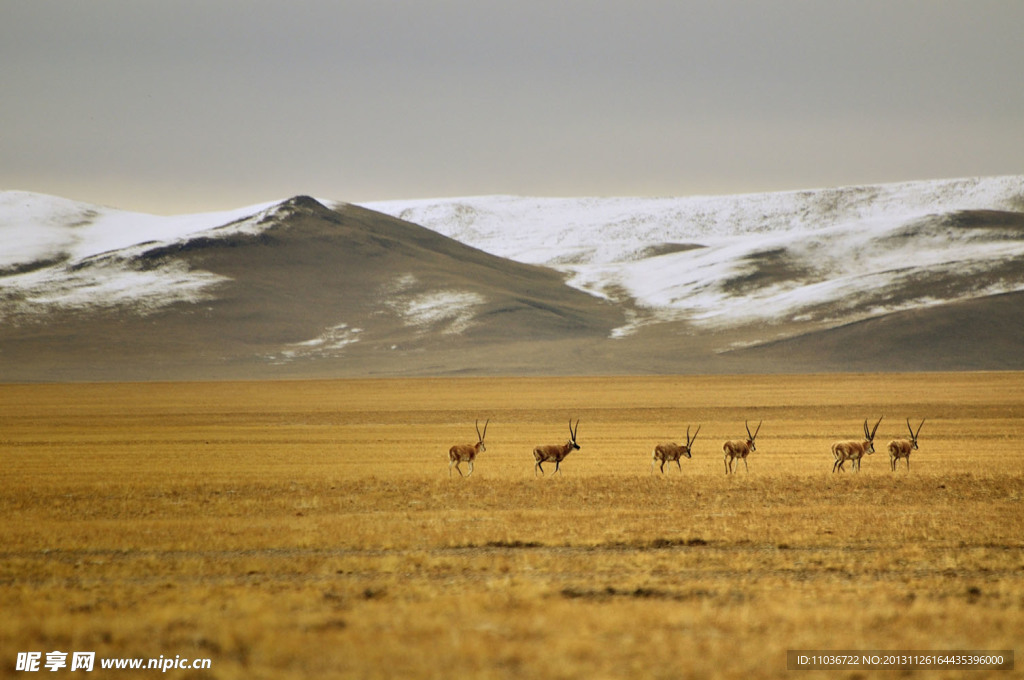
<point>740,449</point>
<point>546,453</point>
<point>467,452</point>
<point>854,450</point>
<point>901,448</point>
<point>673,452</point>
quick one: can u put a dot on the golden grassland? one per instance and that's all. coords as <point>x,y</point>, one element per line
<point>310,529</point>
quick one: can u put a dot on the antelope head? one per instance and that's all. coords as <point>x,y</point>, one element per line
<point>869,436</point>
<point>752,437</point>
<point>480,437</point>
<point>572,435</point>
<point>913,435</point>
<point>689,442</point>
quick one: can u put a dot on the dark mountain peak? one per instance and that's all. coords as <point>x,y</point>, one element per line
<point>300,206</point>
<point>304,202</point>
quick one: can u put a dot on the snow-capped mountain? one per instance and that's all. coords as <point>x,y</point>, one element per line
<point>890,277</point>
<point>827,256</point>
<point>290,288</point>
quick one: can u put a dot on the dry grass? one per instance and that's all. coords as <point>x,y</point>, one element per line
<point>310,529</point>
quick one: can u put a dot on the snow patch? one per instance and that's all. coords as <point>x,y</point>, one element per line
<point>104,286</point>
<point>37,227</point>
<point>59,255</point>
<point>330,343</point>
<point>449,311</point>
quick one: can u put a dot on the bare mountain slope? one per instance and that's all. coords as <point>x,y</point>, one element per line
<point>300,289</point>
<point>978,334</point>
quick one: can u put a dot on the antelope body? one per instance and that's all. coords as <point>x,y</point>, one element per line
<point>740,448</point>
<point>901,448</point>
<point>854,450</point>
<point>466,453</point>
<point>671,451</point>
<point>556,453</point>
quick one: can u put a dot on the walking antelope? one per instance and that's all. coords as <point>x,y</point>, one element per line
<point>547,453</point>
<point>854,450</point>
<point>671,451</point>
<point>467,452</point>
<point>740,449</point>
<point>901,448</point>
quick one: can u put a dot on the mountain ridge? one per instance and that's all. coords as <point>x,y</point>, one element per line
<point>735,234</point>
<point>306,287</point>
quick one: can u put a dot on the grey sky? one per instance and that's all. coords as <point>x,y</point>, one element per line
<point>198,105</point>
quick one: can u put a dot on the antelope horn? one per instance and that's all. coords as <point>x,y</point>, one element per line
<point>572,431</point>
<point>747,425</point>
<point>477,423</point>
<point>910,428</point>
<point>485,430</point>
<point>918,428</point>
<point>757,430</point>
<point>688,440</point>
<point>867,434</point>
<point>875,429</point>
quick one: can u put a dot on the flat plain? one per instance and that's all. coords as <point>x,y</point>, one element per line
<point>311,529</point>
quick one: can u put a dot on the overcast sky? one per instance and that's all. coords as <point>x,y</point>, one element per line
<point>185,106</point>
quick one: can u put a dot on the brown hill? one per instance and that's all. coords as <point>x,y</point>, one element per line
<point>317,291</point>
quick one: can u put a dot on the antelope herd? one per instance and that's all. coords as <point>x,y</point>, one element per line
<point>669,452</point>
